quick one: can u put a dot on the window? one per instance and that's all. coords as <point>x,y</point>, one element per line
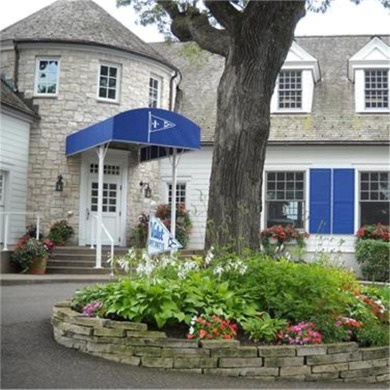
<point>376,90</point>
<point>180,193</point>
<point>374,198</point>
<point>369,69</point>
<point>154,92</point>
<point>108,82</point>
<point>294,88</point>
<point>290,90</point>
<point>110,197</point>
<point>46,81</point>
<point>285,198</point>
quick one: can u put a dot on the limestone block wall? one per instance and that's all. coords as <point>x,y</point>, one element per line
<point>75,107</point>
<point>133,344</point>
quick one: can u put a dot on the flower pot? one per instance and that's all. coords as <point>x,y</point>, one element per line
<point>38,266</point>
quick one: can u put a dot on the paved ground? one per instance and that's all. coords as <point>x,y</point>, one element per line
<point>31,359</point>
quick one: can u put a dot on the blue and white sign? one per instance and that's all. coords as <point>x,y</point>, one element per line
<point>160,239</point>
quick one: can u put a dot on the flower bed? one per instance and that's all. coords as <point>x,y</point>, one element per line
<point>132,343</point>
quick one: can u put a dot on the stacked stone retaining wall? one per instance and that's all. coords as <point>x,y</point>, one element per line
<point>133,344</point>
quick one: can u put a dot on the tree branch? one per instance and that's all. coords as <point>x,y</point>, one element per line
<point>192,25</point>
<point>225,14</point>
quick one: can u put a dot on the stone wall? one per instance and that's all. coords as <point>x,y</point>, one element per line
<point>133,344</point>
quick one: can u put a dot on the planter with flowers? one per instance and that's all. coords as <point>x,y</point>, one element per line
<point>60,232</point>
<point>275,238</point>
<point>31,255</point>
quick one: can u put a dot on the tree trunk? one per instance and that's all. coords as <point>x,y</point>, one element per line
<point>256,54</point>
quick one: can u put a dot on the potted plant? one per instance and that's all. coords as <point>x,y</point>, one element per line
<point>30,255</point>
<point>60,232</point>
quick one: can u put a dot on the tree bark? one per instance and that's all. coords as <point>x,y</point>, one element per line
<point>257,50</point>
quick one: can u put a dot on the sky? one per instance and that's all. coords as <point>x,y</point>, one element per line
<point>343,18</point>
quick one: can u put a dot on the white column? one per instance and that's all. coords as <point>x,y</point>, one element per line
<point>101,152</point>
<point>173,206</point>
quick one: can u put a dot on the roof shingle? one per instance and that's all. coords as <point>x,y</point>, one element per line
<point>78,21</point>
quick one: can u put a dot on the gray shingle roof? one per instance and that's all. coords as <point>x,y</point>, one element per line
<point>333,117</point>
<point>10,99</point>
<point>80,21</point>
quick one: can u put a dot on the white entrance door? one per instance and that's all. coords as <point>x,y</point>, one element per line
<point>113,201</point>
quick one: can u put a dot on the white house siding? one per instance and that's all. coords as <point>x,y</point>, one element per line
<point>75,108</point>
<point>14,142</point>
<point>194,168</point>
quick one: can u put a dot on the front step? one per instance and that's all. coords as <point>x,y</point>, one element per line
<point>81,260</point>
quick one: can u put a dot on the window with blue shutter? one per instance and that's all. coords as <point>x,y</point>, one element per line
<point>331,201</point>
<point>320,201</point>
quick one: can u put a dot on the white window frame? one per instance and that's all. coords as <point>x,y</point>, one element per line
<point>298,60</point>
<point>118,82</point>
<point>375,55</point>
<point>304,193</point>
<point>296,76</point>
<point>152,99</point>
<point>169,192</point>
<point>359,190</point>
<point>37,74</point>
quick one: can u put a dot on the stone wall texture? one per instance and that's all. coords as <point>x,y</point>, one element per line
<point>133,344</point>
<point>75,107</point>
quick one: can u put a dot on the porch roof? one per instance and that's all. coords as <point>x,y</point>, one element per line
<point>149,127</point>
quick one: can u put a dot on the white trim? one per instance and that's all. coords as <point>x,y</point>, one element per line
<point>159,80</point>
<point>37,71</point>
<point>118,67</point>
<point>375,54</point>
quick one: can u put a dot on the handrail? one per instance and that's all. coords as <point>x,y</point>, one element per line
<point>6,224</point>
<point>112,245</point>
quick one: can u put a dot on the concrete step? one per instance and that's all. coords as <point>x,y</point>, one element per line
<point>81,260</point>
<point>77,270</point>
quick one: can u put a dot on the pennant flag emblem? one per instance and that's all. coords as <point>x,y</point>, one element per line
<point>160,239</point>
<point>157,123</point>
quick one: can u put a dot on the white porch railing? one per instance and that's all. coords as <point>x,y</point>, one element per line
<point>111,258</point>
<point>6,224</point>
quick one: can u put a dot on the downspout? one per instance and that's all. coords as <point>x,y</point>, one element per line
<point>16,67</point>
<point>174,105</point>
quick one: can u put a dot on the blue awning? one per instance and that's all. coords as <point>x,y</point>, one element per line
<point>142,126</point>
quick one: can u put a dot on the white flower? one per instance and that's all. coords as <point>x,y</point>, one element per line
<point>191,330</point>
<point>218,270</point>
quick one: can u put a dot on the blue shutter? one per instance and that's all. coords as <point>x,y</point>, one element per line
<point>320,198</point>
<point>343,201</point>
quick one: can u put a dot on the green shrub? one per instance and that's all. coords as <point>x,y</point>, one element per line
<point>374,259</point>
<point>297,292</point>
<point>263,328</point>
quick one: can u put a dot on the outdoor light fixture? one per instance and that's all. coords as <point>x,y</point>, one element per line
<point>148,190</point>
<point>59,183</point>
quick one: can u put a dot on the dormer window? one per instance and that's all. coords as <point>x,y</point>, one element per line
<point>376,89</point>
<point>294,87</point>
<point>290,90</point>
<point>369,70</point>
<point>46,77</point>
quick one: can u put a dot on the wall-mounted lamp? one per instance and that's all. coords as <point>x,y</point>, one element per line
<point>59,183</point>
<point>148,190</point>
